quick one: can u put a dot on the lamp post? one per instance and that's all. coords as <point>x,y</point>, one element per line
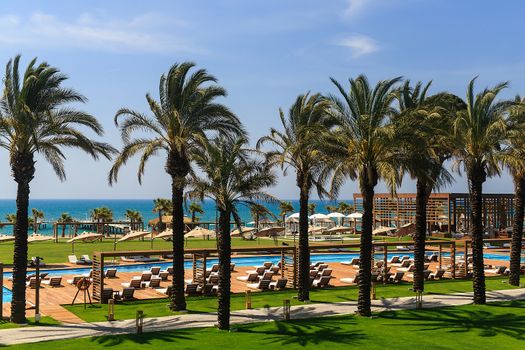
<point>37,290</point>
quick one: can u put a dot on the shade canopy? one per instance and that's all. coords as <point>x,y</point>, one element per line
<point>269,231</point>
<point>6,238</point>
<point>336,215</point>
<point>36,237</point>
<point>86,237</point>
<point>355,215</point>
<point>134,235</point>
<point>383,229</point>
<point>200,232</point>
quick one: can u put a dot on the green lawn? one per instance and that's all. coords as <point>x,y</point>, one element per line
<point>159,307</point>
<point>44,321</point>
<point>493,326</point>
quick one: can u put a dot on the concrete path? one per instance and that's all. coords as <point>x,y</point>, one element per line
<point>38,334</point>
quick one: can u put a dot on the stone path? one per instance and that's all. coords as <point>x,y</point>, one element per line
<point>68,331</point>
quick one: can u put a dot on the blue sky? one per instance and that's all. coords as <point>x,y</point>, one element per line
<point>264,53</point>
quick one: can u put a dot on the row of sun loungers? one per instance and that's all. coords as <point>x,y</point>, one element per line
<point>84,260</point>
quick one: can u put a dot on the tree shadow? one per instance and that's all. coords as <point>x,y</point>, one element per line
<point>320,332</point>
<point>454,320</point>
<point>142,339</point>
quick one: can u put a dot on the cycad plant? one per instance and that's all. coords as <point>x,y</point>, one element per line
<point>479,133</point>
<point>183,118</point>
<point>296,147</point>
<point>362,148</point>
<point>231,177</point>
<point>36,117</point>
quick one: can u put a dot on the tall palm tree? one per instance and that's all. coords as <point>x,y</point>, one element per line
<point>311,208</point>
<point>297,148</point>
<point>345,208</point>
<point>135,217</point>
<point>258,212</point>
<point>424,137</point>
<point>36,117</point>
<point>195,208</point>
<point>160,206</point>
<point>64,217</point>
<point>232,178</point>
<point>284,209</point>
<point>186,111</point>
<point>479,132</point>
<point>101,215</point>
<point>330,208</point>
<point>37,214</point>
<point>11,218</point>
<point>362,148</point>
<point>513,156</point>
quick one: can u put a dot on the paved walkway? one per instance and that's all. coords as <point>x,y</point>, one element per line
<point>38,334</point>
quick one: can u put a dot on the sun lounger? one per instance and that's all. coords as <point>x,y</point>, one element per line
<point>398,277</point>
<point>154,282</point>
<point>489,246</point>
<point>252,277</point>
<point>262,285</point>
<point>75,280</point>
<point>86,259</point>
<point>500,270</point>
<point>88,275</point>
<point>127,294</point>
<point>135,282</point>
<point>394,260</point>
<point>168,290</point>
<point>192,289</point>
<point>402,248</point>
<point>411,268</point>
<point>321,282</point>
<point>350,280</point>
<point>214,268</point>
<point>213,279</point>
<point>268,265</point>
<point>170,270</point>
<point>322,267</point>
<point>268,275</point>
<point>426,274</point>
<point>32,283</point>
<point>55,281</point>
<point>279,284</point>
<point>73,260</point>
<point>146,276</point>
<point>210,289</point>
<point>107,293</point>
<point>438,275</point>
<point>155,270</point>
<point>232,267</point>
<point>259,270</point>
<point>163,275</point>
<point>111,273</point>
<point>379,264</point>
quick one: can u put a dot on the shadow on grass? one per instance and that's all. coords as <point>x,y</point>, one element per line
<point>319,332</point>
<point>486,322</point>
<point>144,338</point>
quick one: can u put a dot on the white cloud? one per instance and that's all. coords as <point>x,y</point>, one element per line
<point>359,45</point>
<point>95,33</point>
<point>355,8</point>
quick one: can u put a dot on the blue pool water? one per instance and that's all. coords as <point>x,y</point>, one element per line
<point>6,295</point>
<point>239,261</point>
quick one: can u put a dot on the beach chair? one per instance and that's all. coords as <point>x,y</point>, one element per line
<point>434,258</point>
<point>394,260</point>
<point>127,294</point>
<point>146,276</point>
<point>214,268</point>
<point>322,267</point>
<point>500,270</point>
<point>86,259</point>
<point>73,260</point>
<point>170,270</point>
<point>411,268</point>
<point>210,289</point>
<point>313,273</point>
<point>155,270</point>
<point>75,280</point>
<point>379,264</point>
<point>268,265</point>
<point>111,273</point>
<point>321,282</point>
<point>192,289</point>
<point>32,283</point>
<point>107,293</point>
<point>398,277</point>
<point>163,275</point>
<point>350,280</point>
<point>268,275</point>
<point>232,267</point>
<point>153,283</point>
<point>276,268</point>
<point>55,281</point>
<point>279,284</point>
<point>168,291</point>
<point>251,277</point>
<point>259,270</point>
<point>262,285</point>
<point>488,245</point>
<point>135,282</point>
<point>88,275</point>
<point>213,279</point>
<point>438,275</point>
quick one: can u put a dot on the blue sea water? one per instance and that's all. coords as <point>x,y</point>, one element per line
<point>81,208</point>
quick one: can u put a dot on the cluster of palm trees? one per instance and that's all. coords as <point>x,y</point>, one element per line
<point>361,132</point>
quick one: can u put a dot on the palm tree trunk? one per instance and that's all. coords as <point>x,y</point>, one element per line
<point>304,251</point>
<point>178,301</point>
<point>224,245</point>
<point>23,168</point>
<point>517,232</point>
<point>422,195</point>
<point>476,179</point>
<point>365,254</point>
<point>63,231</point>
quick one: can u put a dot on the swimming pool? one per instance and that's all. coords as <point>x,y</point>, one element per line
<point>6,295</point>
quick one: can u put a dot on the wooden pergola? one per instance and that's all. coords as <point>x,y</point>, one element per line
<point>446,212</point>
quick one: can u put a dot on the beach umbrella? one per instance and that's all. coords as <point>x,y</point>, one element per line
<point>294,215</point>
<point>200,232</point>
<point>318,216</point>
<point>338,229</point>
<point>37,237</point>
<point>168,233</point>
<point>243,230</point>
<point>84,237</point>
<point>383,229</point>
<point>355,216</point>
<point>315,229</point>
<point>269,231</point>
<point>338,216</point>
<point>6,238</point>
<point>134,235</point>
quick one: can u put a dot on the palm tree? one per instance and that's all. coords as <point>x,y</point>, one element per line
<point>362,148</point>
<point>193,209</point>
<point>479,132</point>
<point>345,208</point>
<point>11,218</point>
<point>186,112</point>
<point>37,214</point>
<point>232,178</point>
<point>330,208</point>
<point>64,217</point>
<point>135,217</point>
<point>160,206</point>
<point>285,208</point>
<point>311,208</point>
<point>513,157</point>
<point>36,117</point>
<point>102,215</point>
<point>297,148</point>
<point>424,140</point>
<point>258,212</point>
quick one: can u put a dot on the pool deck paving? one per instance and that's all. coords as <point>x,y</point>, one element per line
<point>195,320</point>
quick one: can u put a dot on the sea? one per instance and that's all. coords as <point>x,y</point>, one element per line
<point>80,209</point>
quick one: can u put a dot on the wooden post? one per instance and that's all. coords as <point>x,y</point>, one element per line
<point>466,259</point>
<point>385,262</point>
<point>453,260</point>
<point>439,256</point>
<point>194,266</point>
<point>204,273</point>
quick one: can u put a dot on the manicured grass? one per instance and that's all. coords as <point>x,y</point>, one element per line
<point>159,307</point>
<point>44,321</point>
<point>493,326</point>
